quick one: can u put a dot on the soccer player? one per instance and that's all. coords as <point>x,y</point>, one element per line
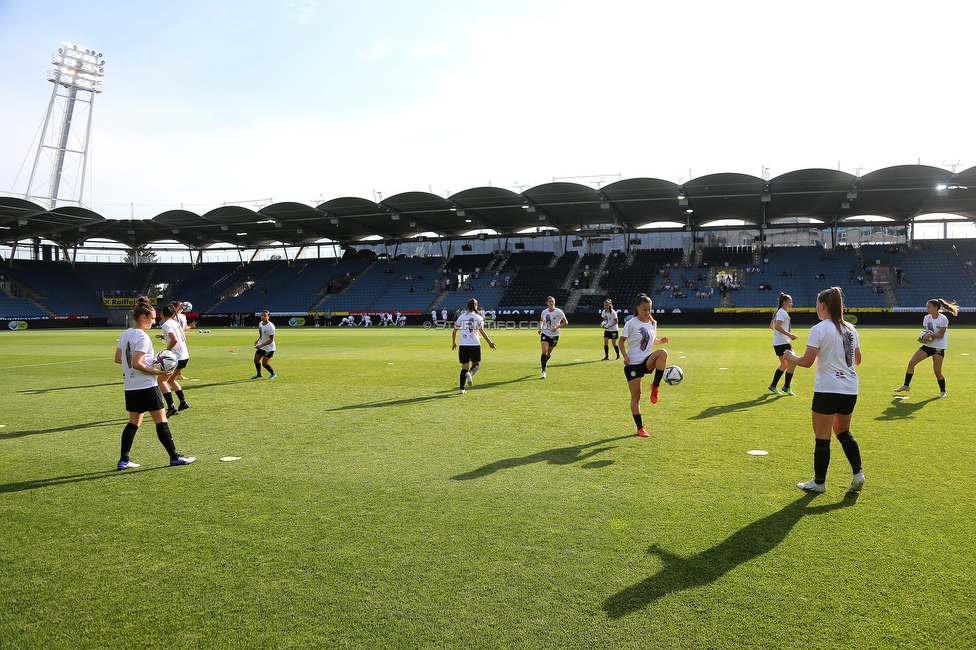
<point>175,339</point>
<point>181,317</point>
<point>549,323</point>
<point>934,342</point>
<point>636,347</point>
<point>135,354</point>
<point>611,330</point>
<point>835,346</point>
<point>782,337</point>
<point>264,346</point>
<point>470,324</point>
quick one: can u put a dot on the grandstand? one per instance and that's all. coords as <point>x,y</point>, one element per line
<point>871,276</point>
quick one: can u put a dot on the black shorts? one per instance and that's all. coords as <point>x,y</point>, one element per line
<point>614,335</point>
<point>780,349</point>
<point>929,351</point>
<point>636,370</point>
<point>182,364</point>
<point>264,353</point>
<point>833,403</point>
<point>551,340</point>
<point>144,399</point>
<point>469,354</point>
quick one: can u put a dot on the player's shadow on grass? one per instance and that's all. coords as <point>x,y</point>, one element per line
<point>75,478</point>
<point>42,391</point>
<point>901,408</point>
<point>558,456</point>
<point>681,573</point>
<point>444,394</point>
<point>725,409</point>
<point>9,435</point>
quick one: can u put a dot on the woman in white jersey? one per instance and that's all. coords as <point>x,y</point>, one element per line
<point>611,330</point>
<point>637,341</point>
<point>549,323</point>
<point>175,339</point>
<point>181,318</point>
<point>934,340</point>
<point>470,324</point>
<point>782,337</point>
<point>835,346</point>
<point>135,353</point>
<point>264,346</point>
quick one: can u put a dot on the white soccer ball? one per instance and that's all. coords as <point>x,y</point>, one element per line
<point>921,337</point>
<point>187,305</point>
<point>166,360</point>
<point>673,375</point>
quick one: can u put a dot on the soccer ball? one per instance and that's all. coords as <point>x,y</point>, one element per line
<point>166,360</point>
<point>673,375</point>
<point>187,306</point>
<point>924,333</point>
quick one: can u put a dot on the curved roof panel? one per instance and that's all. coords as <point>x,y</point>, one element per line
<point>900,193</point>
<point>637,202</point>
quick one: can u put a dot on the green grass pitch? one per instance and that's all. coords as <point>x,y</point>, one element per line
<point>374,507</point>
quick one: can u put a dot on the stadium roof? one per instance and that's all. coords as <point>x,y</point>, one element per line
<point>833,198</point>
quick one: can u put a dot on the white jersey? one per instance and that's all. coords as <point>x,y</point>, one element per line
<point>468,325</point>
<point>550,319</point>
<point>836,371</point>
<point>640,339</point>
<point>609,317</point>
<point>933,325</point>
<point>136,340</point>
<point>778,337</point>
<point>265,332</point>
<point>172,327</point>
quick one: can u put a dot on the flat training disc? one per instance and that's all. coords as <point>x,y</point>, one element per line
<point>227,459</point>
<point>757,452</point>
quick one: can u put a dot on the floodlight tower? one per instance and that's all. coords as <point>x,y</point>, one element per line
<point>77,78</point>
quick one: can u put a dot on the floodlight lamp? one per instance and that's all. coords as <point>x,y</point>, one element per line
<point>22,222</point>
<point>689,211</point>
<point>242,234</point>
<point>334,221</point>
<point>395,216</point>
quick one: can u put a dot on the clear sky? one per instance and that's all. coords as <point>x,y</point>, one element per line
<point>215,101</point>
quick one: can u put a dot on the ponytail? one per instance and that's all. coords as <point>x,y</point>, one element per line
<point>641,299</point>
<point>950,307</point>
<point>833,298</point>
